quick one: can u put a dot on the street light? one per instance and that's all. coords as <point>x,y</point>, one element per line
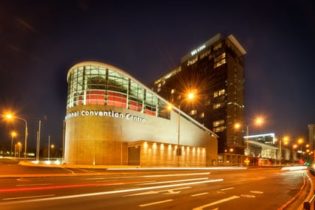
<point>300,141</point>
<point>190,95</point>
<point>13,134</point>
<point>258,121</point>
<point>18,147</point>
<point>50,146</point>
<point>285,141</point>
<point>9,116</point>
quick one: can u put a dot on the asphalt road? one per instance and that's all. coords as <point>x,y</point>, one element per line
<point>58,188</point>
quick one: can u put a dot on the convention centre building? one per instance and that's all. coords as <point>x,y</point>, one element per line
<point>113,119</point>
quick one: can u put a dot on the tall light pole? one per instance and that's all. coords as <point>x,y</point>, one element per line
<point>19,145</point>
<point>13,135</point>
<point>300,141</point>
<point>258,121</point>
<point>10,117</point>
<point>285,141</point>
<point>190,95</point>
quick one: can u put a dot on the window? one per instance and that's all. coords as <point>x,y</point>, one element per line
<point>218,123</point>
<point>218,46</point>
<point>193,112</point>
<point>219,129</point>
<point>98,85</point>
<point>204,54</point>
<point>150,103</point>
<point>220,60</point>
<point>163,110</point>
<point>220,63</point>
<point>217,106</point>
<point>136,96</point>
<point>218,93</point>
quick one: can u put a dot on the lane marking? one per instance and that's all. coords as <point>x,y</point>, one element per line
<point>179,188</point>
<point>171,192</point>
<point>229,188</point>
<point>173,181</point>
<point>113,192</point>
<point>156,192</point>
<point>169,175</point>
<point>27,197</point>
<point>143,193</point>
<point>248,196</point>
<point>217,202</point>
<point>199,194</point>
<point>256,192</point>
<point>97,178</point>
<point>57,187</point>
<point>155,203</point>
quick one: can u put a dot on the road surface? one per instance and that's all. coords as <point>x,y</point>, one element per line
<point>59,188</point>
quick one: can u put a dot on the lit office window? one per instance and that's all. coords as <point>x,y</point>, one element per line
<point>193,112</point>
<point>219,129</point>
<point>218,123</point>
<point>217,106</point>
<point>218,93</point>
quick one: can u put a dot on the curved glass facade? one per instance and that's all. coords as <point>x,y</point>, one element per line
<point>92,83</point>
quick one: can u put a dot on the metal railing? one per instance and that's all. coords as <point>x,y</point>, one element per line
<point>308,204</point>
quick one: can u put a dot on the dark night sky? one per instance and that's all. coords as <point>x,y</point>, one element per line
<point>41,40</point>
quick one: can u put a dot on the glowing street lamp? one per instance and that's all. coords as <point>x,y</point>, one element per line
<point>189,96</point>
<point>258,121</point>
<point>13,134</point>
<point>300,141</point>
<point>237,126</point>
<point>285,140</point>
<point>9,116</point>
<point>18,147</point>
<point>50,146</point>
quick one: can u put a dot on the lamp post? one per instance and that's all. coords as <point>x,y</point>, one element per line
<point>10,117</point>
<point>19,146</point>
<point>285,141</point>
<point>50,146</point>
<point>294,146</point>
<point>258,121</point>
<point>189,96</point>
<point>300,141</point>
<point>13,135</point>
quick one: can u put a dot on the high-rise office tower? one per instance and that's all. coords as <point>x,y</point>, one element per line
<point>215,70</point>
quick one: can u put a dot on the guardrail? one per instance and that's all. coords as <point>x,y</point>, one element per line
<point>308,204</point>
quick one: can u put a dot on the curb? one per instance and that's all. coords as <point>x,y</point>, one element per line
<point>306,180</point>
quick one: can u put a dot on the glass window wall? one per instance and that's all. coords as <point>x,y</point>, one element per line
<point>96,85</point>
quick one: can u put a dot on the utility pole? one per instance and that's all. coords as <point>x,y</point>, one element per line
<point>48,148</point>
<point>38,140</point>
